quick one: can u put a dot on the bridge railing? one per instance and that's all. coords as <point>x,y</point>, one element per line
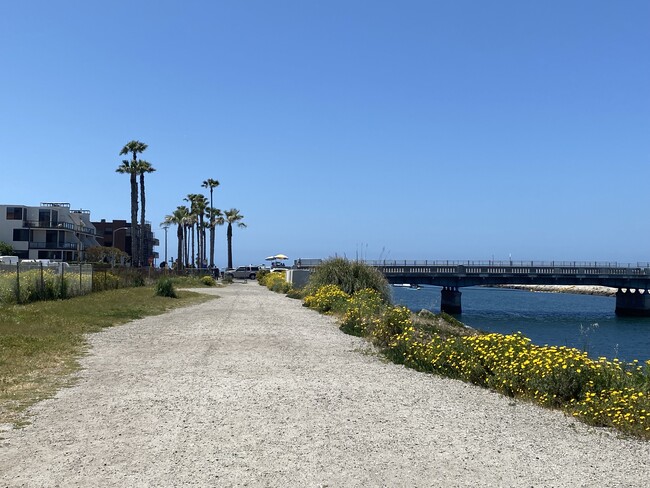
<point>494,270</point>
<point>518,264</point>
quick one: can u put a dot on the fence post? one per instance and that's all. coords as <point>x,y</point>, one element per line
<point>42,284</point>
<point>61,284</point>
<point>17,282</point>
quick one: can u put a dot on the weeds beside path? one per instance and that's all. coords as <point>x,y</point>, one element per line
<point>254,389</point>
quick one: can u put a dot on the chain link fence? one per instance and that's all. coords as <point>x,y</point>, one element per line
<point>29,281</point>
<point>33,281</point>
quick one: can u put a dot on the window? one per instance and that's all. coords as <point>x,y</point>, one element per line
<point>14,213</point>
<point>21,235</point>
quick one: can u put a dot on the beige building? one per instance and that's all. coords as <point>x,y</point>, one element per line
<point>49,231</point>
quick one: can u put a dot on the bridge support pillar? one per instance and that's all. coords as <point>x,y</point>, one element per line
<point>450,302</point>
<point>633,303</point>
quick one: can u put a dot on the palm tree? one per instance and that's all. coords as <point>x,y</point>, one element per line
<point>143,167</point>
<point>211,184</point>
<point>198,204</point>
<point>232,217</point>
<point>130,167</point>
<point>127,168</point>
<point>178,218</point>
<point>216,218</point>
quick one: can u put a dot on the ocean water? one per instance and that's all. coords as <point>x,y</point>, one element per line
<point>585,322</point>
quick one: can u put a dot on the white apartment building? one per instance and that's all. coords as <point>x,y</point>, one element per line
<point>49,231</point>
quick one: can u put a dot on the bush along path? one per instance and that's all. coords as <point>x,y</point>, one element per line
<point>599,392</point>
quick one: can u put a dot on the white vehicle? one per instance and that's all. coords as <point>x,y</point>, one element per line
<point>8,259</point>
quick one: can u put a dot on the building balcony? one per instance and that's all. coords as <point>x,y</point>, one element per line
<point>53,245</point>
<point>41,224</point>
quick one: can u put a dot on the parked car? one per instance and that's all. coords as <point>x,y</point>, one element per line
<point>244,272</point>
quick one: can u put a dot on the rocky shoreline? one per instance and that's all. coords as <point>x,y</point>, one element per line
<point>575,289</point>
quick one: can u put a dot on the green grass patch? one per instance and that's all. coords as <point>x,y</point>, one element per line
<point>40,342</point>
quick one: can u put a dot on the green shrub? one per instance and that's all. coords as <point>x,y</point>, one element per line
<point>276,282</point>
<point>394,322</point>
<point>363,309</point>
<point>138,280</point>
<point>165,288</point>
<point>227,279</point>
<point>298,293</point>
<point>261,276</point>
<point>105,280</point>
<point>208,281</point>
<point>328,298</point>
<point>281,286</point>
<point>349,276</point>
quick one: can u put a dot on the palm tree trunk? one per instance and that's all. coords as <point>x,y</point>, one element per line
<point>179,236</point>
<point>185,245</point>
<point>211,230</point>
<point>204,253</point>
<point>199,244</point>
<point>142,228</point>
<point>134,219</point>
<point>229,237</point>
<point>193,256</point>
<point>212,233</point>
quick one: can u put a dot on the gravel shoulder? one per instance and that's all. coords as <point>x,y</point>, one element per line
<point>252,389</point>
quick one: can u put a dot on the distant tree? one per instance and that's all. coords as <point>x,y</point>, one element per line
<point>211,184</point>
<point>6,249</point>
<point>232,217</point>
<point>104,254</point>
<point>131,168</point>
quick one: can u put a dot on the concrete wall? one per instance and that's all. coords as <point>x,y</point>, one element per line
<point>298,277</point>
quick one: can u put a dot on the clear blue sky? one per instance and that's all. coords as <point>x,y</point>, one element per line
<point>387,129</point>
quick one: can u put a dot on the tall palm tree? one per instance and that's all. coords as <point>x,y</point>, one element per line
<point>177,218</point>
<point>200,207</point>
<point>143,167</point>
<point>215,218</point>
<point>127,168</point>
<point>232,217</point>
<point>130,167</point>
<point>211,184</point>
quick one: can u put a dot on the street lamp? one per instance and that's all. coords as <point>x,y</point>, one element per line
<point>113,242</point>
<point>165,227</point>
<point>113,238</point>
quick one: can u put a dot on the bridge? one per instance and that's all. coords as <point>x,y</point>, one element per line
<point>631,280</point>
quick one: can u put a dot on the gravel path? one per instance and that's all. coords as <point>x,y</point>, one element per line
<point>252,389</point>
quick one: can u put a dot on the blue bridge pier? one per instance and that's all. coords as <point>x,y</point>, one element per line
<point>633,303</point>
<point>450,300</point>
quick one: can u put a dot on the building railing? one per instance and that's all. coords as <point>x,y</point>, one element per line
<point>41,224</point>
<point>53,245</point>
